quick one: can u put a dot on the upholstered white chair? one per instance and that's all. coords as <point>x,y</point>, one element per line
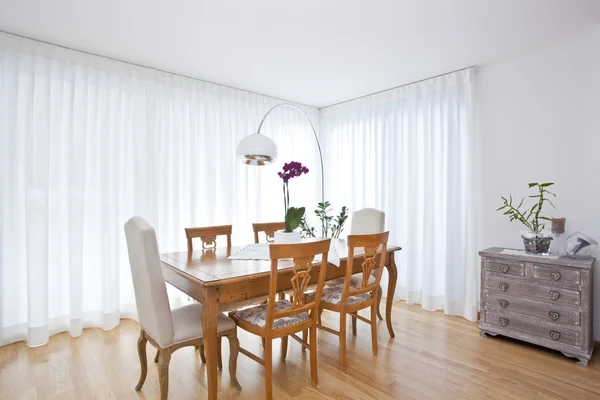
<point>166,329</point>
<point>364,222</point>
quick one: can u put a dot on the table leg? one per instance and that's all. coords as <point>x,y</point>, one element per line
<point>393,277</point>
<point>210,314</point>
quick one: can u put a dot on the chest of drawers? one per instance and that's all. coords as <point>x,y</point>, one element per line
<point>542,300</point>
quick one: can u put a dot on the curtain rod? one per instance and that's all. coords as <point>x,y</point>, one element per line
<point>153,68</point>
<point>397,87</point>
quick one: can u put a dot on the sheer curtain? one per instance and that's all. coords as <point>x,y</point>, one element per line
<point>409,152</point>
<point>86,143</point>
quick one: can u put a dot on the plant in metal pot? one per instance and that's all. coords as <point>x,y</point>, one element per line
<point>293,215</point>
<point>330,225</point>
<point>535,240</point>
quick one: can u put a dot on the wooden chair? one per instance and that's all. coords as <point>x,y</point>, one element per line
<point>268,228</point>
<point>208,235</point>
<point>364,221</point>
<point>167,330</point>
<point>280,319</point>
<point>348,299</point>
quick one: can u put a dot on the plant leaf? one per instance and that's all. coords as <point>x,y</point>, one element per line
<point>294,217</point>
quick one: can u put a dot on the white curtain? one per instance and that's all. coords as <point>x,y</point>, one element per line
<point>409,152</point>
<point>86,143</point>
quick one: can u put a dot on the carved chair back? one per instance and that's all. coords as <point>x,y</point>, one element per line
<point>303,255</point>
<point>268,228</point>
<point>208,236</point>
<point>371,244</point>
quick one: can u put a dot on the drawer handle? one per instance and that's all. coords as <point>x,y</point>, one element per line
<point>554,315</point>
<point>555,275</point>
<point>503,303</point>
<point>554,335</point>
<point>503,321</point>
<point>503,286</point>
<point>504,268</point>
<point>554,295</point>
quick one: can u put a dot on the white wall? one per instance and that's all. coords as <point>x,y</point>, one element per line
<point>539,120</point>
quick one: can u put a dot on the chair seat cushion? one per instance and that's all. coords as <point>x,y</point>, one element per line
<point>187,323</point>
<point>333,295</point>
<point>258,315</point>
<point>355,281</point>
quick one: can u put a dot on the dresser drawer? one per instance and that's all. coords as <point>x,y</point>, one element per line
<point>560,275</point>
<point>545,331</point>
<point>504,267</point>
<point>542,311</point>
<point>533,291</point>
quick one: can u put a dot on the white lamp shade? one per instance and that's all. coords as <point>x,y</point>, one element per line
<point>257,149</point>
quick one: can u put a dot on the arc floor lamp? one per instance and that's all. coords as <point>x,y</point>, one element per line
<point>258,149</point>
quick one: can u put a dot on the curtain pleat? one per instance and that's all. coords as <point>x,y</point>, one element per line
<point>86,143</point>
<point>409,152</point>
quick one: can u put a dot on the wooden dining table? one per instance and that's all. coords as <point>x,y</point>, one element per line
<point>210,277</point>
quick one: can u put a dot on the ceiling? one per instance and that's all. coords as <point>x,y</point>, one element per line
<point>315,52</point>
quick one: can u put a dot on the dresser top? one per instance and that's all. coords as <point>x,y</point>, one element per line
<point>497,252</point>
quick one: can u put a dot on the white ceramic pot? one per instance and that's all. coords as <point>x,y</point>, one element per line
<point>282,237</point>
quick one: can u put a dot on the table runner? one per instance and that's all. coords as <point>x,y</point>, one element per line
<point>260,251</point>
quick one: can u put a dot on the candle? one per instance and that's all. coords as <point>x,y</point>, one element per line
<point>558,225</point>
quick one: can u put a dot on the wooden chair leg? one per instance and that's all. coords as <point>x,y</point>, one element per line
<point>305,338</point>
<point>374,327</point>
<point>343,365</point>
<point>263,342</point>
<point>320,313</point>
<point>234,349</point>
<point>354,326</point>
<point>379,295</point>
<point>219,358</point>
<point>313,356</point>
<point>156,356</point>
<point>141,347</point>
<point>269,369</point>
<point>284,346</point>
<point>202,354</point>
<point>163,372</point>
<point>281,296</point>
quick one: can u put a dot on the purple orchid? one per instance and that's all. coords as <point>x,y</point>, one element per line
<point>293,215</point>
<point>292,170</point>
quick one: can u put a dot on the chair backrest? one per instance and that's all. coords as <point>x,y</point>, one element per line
<point>208,235</point>
<point>149,286</point>
<point>370,243</point>
<point>367,220</point>
<point>268,228</point>
<point>303,255</point>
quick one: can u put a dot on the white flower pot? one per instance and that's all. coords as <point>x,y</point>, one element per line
<point>282,237</point>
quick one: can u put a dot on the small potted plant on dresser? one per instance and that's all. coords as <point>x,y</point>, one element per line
<point>535,239</point>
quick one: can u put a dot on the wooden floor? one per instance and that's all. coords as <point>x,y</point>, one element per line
<point>432,357</point>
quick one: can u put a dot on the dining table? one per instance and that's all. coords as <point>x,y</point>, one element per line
<point>216,279</point>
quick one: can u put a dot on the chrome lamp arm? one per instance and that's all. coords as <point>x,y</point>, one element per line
<point>314,133</point>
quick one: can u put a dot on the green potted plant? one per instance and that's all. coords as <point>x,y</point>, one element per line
<point>293,215</point>
<point>535,239</point>
<point>330,225</point>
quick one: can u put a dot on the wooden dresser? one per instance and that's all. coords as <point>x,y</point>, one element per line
<point>542,300</point>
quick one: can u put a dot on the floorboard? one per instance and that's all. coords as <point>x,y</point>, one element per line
<point>433,357</point>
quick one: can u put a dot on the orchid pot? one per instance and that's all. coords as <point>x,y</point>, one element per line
<point>283,237</point>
